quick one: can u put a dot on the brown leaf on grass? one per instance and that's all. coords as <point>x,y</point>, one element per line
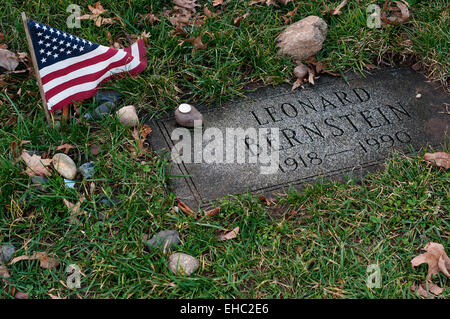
<point>212,212</point>
<point>95,149</point>
<point>185,208</point>
<point>96,11</point>
<point>75,209</point>
<point>398,13</point>
<point>297,83</point>
<point>237,21</point>
<point>140,136</point>
<point>45,261</point>
<point>197,42</point>
<point>206,11</point>
<point>433,290</point>
<point>230,235</point>
<point>217,3</point>
<point>436,258</point>
<point>8,60</point>
<point>4,274</point>
<point>337,10</point>
<point>270,2</point>
<point>440,159</point>
<point>187,4</point>
<point>265,200</point>
<point>65,147</point>
<point>288,17</point>
<point>36,166</point>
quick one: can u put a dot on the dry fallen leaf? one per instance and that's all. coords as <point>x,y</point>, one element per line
<point>230,235</point>
<point>75,209</point>
<point>440,159</point>
<point>212,212</point>
<point>197,42</point>
<point>421,290</point>
<point>65,148</point>
<point>96,11</point>
<point>140,136</point>
<point>45,261</point>
<point>217,3</point>
<point>237,21</point>
<point>436,258</point>
<point>8,60</point>
<point>37,166</point>
<point>186,209</point>
<point>337,10</point>
<point>399,14</point>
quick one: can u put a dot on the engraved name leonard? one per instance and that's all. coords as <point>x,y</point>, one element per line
<point>355,117</point>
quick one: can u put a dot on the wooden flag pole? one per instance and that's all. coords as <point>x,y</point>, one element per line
<point>36,69</point>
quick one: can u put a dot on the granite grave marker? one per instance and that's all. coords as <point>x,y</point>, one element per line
<point>335,129</point>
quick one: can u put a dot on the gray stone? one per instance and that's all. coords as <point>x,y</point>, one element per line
<point>191,118</point>
<point>6,253</point>
<point>164,239</point>
<point>303,38</point>
<point>108,96</point>
<point>87,169</point>
<point>333,130</point>
<point>100,111</point>
<point>184,264</point>
<point>109,202</point>
<point>39,182</point>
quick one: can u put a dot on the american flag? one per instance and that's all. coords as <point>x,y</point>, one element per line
<point>72,68</point>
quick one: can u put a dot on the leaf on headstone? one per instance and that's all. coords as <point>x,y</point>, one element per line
<point>212,212</point>
<point>398,13</point>
<point>36,166</point>
<point>75,209</point>
<point>230,235</point>
<point>65,148</point>
<point>45,261</point>
<point>440,159</point>
<point>8,60</point>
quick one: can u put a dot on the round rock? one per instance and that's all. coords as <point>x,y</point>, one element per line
<point>164,239</point>
<point>87,169</point>
<point>181,263</point>
<point>64,165</point>
<point>6,253</point>
<point>188,116</point>
<point>128,116</point>
<point>303,38</point>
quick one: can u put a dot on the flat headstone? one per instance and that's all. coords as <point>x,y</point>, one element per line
<point>340,127</point>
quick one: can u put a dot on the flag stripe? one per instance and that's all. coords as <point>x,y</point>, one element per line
<point>93,77</point>
<point>74,67</point>
<point>77,92</point>
<point>86,71</point>
<point>63,64</point>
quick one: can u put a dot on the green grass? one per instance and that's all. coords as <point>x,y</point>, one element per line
<point>318,244</point>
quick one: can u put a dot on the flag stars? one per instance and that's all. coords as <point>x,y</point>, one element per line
<point>81,49</point>
<point>75,46</point>
<point>51,30</point>
<point>61,42</point>
<point>44,28</point>
<point>47,37</point>
<point>61,50</point>
<point>43,60</point>
<point>41,42</point>
<point>48,53</point>
<point>68,44</point>
<point>47,45</point>
<point>54,40</point>
<point>65,35</point>
<point>41,51</point>
<point>39,34</point>
<point>55,47</point>
<point>55,55</point>
<point>37,25</point>
<point>58,33</point>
